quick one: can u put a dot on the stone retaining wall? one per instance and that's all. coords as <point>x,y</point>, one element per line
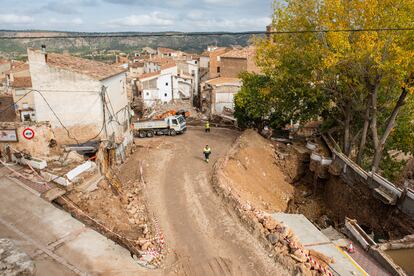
<point>277,239</point>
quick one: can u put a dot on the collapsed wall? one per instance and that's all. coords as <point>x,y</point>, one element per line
<point>358,202</point>
<point>342,195</point>
<point>281,243</point>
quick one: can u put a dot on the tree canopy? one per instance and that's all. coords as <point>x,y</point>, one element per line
<point>358,82</point>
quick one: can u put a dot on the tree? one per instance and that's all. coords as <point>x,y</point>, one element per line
<point>355,77</point>
<point>252,103</point>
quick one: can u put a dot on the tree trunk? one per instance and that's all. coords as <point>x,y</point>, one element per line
<point>379,147</point>
<point>364,133</point>
<point>347,135</point>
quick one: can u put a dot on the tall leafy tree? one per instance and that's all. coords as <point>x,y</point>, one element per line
<point>355,78</point>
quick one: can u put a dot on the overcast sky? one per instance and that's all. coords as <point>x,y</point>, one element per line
<point>136,15</point>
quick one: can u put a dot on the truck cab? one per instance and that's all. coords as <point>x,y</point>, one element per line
<point>177,123</point>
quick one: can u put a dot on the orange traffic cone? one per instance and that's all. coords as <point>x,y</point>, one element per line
<point>351,248</point>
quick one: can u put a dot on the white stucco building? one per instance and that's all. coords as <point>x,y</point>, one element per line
<point>218,94</point>
<point>166,85</point>
<point>82,99</point>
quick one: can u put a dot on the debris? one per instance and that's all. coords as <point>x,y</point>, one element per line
<point>13,261</point>
<point>272,238</point>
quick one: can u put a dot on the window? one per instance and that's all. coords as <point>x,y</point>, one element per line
<point>166,84</point>
<point>218,69</point>
<point>165,94</point>
<point>195,62</point>
<point>174,121</point>
<point>147,93</point>
<point>192,73</point>
<point>26,117</point>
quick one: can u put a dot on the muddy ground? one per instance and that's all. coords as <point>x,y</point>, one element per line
<point>201,237</point>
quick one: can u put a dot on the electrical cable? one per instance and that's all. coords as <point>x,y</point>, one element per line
<point>189,34</point>
<point>14,103</point>
<point>57,117</point>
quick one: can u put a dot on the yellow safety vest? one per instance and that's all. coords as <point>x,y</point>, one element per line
<point>207,150</point>
<point>207,125</point>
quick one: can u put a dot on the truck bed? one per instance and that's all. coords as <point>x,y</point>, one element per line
<point>153,124</point>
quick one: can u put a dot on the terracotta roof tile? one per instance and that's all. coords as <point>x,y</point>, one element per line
<point>148,75</point>
<point>160,60</point>
<point>94,69</point>
<point>136,64</point>
<point>240,53</point>
<point>166,50</point>
<point>22,82</point>
<point>168,65</point>
<point>223,80</point>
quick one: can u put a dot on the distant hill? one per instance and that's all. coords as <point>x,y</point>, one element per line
<point>195,44</point>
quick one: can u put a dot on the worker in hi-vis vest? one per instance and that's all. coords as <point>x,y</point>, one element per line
<point>207,128</point>
<point>207,152</point>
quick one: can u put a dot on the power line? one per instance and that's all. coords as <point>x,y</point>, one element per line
<point>57,117</point>
<point>57,91</point>
<point>190,34</point>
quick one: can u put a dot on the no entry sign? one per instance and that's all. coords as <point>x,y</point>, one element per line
<point>28,133</point>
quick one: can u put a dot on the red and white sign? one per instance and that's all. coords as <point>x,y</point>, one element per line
<point>28,133</point>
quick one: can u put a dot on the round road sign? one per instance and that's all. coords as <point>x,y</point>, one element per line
<point>28,133</point>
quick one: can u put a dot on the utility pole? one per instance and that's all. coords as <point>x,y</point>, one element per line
<point>103,92</point>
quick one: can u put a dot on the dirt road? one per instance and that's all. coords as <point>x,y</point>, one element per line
<point>202,237</point>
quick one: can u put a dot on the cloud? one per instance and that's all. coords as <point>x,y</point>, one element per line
<point>63,7</point>
<point>157,19</point>
<point>15,19</point>
<point>75,21</point>
<point>231,24</point>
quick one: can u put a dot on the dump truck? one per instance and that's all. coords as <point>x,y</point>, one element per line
<point>171,126</point>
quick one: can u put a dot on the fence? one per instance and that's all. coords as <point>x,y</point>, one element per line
<point>383,189</point>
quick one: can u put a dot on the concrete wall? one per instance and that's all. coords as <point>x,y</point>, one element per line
<point>150,67</point>
<point>185,87</point>
<point>150,96</point>
<point>117,98</point>
<point>164,84</point>
<point>38,146</point>
<point>215,61</point>
<point>353,174</point>
<point>223,96</point>
<point>204,62</point>
<point>232,67</point>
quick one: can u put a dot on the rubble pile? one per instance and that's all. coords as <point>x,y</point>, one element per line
<point>13,261</point>
<point>120,215</point>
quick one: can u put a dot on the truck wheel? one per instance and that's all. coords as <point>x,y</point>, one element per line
<point>142,134</point>
<point>173,132</point>
<point>150,133</point>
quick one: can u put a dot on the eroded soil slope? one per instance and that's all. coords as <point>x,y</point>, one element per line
<point>255,176</point>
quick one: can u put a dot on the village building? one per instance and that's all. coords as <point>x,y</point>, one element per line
<point>82,99</point>
<point>168,53</point>
<point>238,60</point>
<point>23,98</point>
<point>166,85</point>
<point>215,60</point>
<point>136,69</point>
<point>217,93</point>
<point>217,96</point>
